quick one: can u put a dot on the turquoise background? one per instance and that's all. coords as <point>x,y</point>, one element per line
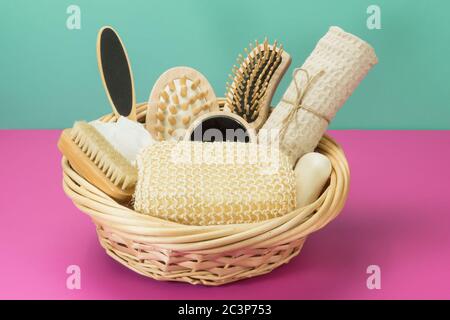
<point>49,75</point>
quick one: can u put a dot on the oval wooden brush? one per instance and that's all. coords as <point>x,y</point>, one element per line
<point>255,80</point>
<point>179,96</point>
<point>115,72</point>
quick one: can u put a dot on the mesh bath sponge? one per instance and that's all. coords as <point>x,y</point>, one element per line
<point>199,183</point>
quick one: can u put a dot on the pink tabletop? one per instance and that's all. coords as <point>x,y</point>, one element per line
<point>397,217</point>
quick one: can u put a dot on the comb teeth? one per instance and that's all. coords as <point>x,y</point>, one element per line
<point>175,99</point>
<point>172,86</point>
<point>173,109</point>
<point>165,97</point>
<point>183,91</point>
<point>115,167</point>
<point>162,106</point>
<point>160,116</point>
<point>246,94</point>
<point>172,120</point>
<point>195,84</point>
<point>186,120</point>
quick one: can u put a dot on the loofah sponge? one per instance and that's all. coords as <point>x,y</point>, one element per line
<point>199,183</point>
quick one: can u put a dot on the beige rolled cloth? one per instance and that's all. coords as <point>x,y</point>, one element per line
<point>318,90</point>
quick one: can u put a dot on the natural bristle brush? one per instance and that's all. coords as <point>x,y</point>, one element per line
<point>255,80</point>
<point>179,96</point>
<point>94,156</point>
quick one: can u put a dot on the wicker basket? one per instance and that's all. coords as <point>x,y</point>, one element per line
<point>208,255</point>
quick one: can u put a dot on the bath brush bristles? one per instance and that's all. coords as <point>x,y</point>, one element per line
<point>255,80</point>
<point>115,166</point>
<point>95,159</point>
<point>179,96</point>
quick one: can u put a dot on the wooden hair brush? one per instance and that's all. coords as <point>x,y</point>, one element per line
<point>179,96</point>
<point>255,81</point>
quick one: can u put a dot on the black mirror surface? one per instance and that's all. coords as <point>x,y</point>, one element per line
<point>116,71</point>
<point>220,128</point>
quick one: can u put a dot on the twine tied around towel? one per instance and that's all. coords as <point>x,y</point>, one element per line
<point>297,104</point>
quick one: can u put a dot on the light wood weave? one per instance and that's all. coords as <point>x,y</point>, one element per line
<point>208,255</point>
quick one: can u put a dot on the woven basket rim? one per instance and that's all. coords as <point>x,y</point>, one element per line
<point>214,238</point>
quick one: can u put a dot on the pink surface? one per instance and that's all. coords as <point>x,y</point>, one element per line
<point>397,216</point>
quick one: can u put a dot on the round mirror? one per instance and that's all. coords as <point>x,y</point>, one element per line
<point>220,126</point>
